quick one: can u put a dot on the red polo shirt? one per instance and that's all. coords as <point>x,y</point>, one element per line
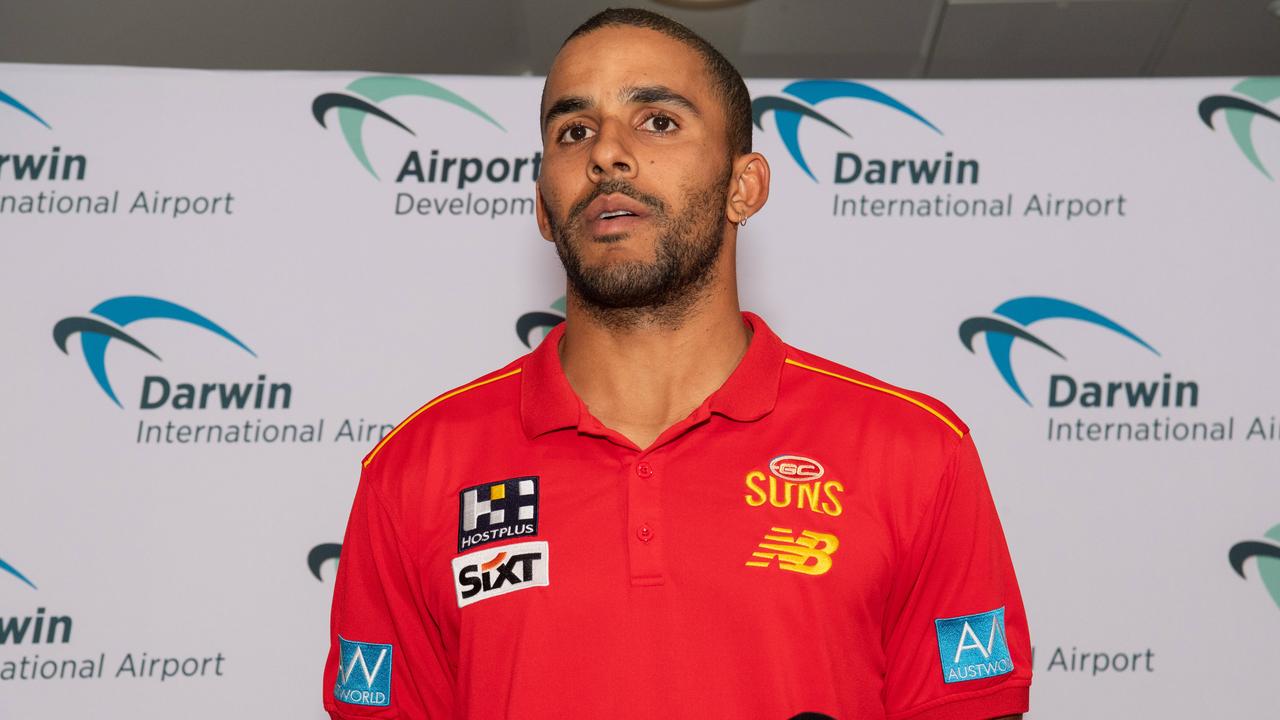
<point>809,539</point>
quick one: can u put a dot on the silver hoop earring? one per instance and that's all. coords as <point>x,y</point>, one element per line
<point>743,223</point>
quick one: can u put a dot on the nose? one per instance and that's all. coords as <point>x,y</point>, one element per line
<point>610,156</point>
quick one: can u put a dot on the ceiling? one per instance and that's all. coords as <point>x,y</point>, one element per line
<point>764,38</point>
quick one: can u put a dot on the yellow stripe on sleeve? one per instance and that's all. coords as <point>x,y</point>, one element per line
<point>433,403</point>
<point>888,391</point>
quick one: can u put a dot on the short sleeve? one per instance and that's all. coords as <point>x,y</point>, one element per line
<point>956,640</point>
<point>386,658</point>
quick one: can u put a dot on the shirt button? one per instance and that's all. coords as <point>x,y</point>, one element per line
<point>645,533</point>
<point>644,470</point>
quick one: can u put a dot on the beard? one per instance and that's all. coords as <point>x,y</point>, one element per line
<point>626,294</point>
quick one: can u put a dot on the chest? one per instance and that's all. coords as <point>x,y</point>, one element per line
<point>737,525</point>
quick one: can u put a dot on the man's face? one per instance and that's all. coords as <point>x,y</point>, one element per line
<point>635,169</point>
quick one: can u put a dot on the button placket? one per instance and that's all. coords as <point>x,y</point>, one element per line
<point>644,513</point>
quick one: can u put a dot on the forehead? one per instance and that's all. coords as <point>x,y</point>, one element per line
<point>602,62</point>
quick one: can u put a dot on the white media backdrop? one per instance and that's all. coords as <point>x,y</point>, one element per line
<point>285,273</point>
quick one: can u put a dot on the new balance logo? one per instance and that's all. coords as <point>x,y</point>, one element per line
<point>808,553</point>
<point>364,673</point>
<point>497,511</point>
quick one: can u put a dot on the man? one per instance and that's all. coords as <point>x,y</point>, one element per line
<point>664,511</point>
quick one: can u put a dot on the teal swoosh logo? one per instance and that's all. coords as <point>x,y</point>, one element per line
<point>11,101</point>
<point>362,102</point>
<point>788,113</point>
<point>1240,112</point>
<point>7,568</point>
<point>1016,316</point>
<point>95,334</point>
<point>1267,555</point>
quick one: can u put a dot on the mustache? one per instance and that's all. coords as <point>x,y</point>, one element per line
<point>621,187</point>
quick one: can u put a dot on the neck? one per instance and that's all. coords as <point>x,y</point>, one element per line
<point>641,377</point>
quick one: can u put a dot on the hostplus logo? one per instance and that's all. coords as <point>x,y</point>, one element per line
<point>533,327</point>
<point>1267,553</point>
<point>454,176</point>
<point>1239,111</point>
<point>1106,404</point>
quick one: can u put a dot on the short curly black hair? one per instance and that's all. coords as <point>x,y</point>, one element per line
<point>725,78</point>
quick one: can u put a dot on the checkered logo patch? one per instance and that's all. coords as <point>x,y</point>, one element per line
<point>497,511</point>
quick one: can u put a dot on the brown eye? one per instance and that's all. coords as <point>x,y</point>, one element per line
<point>575,133</point>
<point>660,124</point>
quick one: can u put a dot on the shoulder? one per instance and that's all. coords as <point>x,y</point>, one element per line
<point>840,389</point>
<point>474,403</point>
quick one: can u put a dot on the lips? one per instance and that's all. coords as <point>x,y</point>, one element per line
<point>614,213</point>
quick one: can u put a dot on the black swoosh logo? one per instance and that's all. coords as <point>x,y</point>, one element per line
<point>974,325</point>
<point>1214,103</point>
<point>67,327</point>
<point>532,321</point>
<point>1247,549</point>
<point>325,102</point>
<point>762,105</point>
<point>319,554</point>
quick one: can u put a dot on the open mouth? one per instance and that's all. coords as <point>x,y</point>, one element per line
<point>614,213</point>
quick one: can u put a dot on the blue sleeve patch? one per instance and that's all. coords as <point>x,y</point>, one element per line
<point>973,647</point>
<point>364,673</point>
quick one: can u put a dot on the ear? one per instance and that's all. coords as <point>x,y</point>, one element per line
<point>748,187</point>
<point>540,210</point>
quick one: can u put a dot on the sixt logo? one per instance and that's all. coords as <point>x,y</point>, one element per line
<point>532,327</point>
<point>488,573</point>
<point>363,100</point>
<point>11,570</point>
<point>1240,112</point>
<point>51,166</point>
<point>113,315</point>
<point>850,167</point>
<point>1065,390</point>
<point>1268,554</point>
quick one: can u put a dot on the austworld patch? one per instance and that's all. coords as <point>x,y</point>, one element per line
<point>497,511</point>
<point>364,673</point>
<point>973,647</point>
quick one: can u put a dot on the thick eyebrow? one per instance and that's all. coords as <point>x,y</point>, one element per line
<point>635,95</point>
<point>657,94</point>
<point>564,106</point>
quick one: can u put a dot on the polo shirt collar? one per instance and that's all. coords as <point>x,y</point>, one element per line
<point>548,403</point>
